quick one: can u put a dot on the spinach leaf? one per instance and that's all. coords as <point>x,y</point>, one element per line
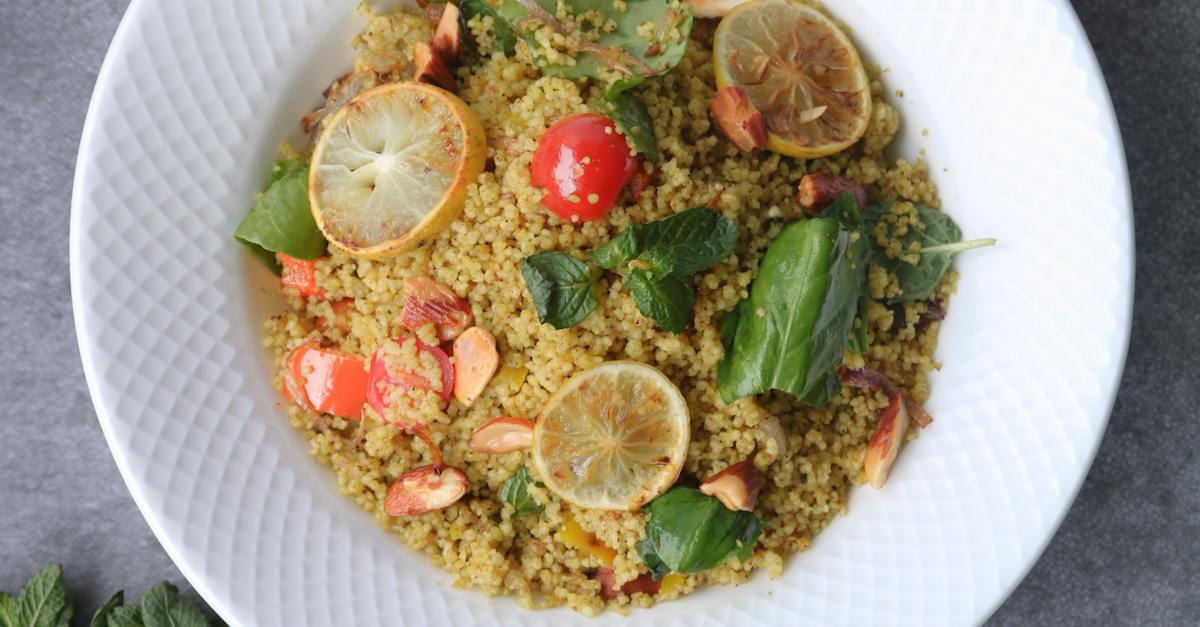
<point>516,493</point>
<point>668,300</point>
<point>634,121</point>
<point>43,601</point>
<point>792,330</point>
<point>100,618</point>
<point>940,240</point>
<point>561,287</point>
<point>280,220</point>
<point>625,49</point>
<point>163,606</point>
<point>688,531</point>
<point>505,38</point>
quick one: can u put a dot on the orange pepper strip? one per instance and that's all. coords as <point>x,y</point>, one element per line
<point>333,382</point>
<point>300,274</point>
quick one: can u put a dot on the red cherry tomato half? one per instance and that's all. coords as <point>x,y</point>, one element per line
<point>382,381</point>
<point>582,162</point>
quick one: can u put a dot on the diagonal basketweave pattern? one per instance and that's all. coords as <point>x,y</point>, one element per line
<point>196,95</point>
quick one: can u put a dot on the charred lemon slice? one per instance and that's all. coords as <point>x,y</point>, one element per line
<point>392,167</point>
<point>800,70</point>
<point>614,437</point>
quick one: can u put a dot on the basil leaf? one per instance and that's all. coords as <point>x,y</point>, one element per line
<point>126,616</point>
<point>633,119</point>
<point>505,38</point>
<point>43,601</point>
<point>8,610</point>
<point>625,49</point>
<point>163,606</point>
<point>516,493</point>
<point>668,301</point>
<point>699,238</point>
<point>100,618</point>
<point>792,330</point>
<point>688,531</point>
<point>939,240</point>
<point>280,220</point>
<point>561,287</point>
<point>617,251</point>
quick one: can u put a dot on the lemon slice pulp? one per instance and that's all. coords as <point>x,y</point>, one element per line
<point>614,437</point>
<point>800,70</point>
<point>392,167</point>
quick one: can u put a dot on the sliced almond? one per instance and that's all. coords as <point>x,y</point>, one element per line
<point>609,590</point>
<point>736,487</point>
<point>430,67</point>
<point>773,431</point>
<point>447,38</point>
<point>502,435</point>
<point>885,443</point>
<point>738,120</point>
<point>425,489</point>
<point>475,362</point>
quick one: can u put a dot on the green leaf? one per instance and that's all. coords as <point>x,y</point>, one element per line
<point>793,329</point>
<point>516,493</point>
<point>634,121</point>
<point>43,601</point>
<point>939,240</point>
<point>617,251</point>
<point>100,618</point>
<point>668,301</point>
<point>622,49</point>
<point>126,616</point>
<point>8,610</point>
<point>561,287</point>
<point>163,606</point>
<point>280,220</point>
<point>658,262</point>
<point>688,531</point>
<point>699,238</point>
<point>859,342</point>
<point>505,38</point>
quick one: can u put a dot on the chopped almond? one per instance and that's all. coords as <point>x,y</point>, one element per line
<point>608,584</point>
<point>738,120</point>
<point>885,443</point>
<point>502,435</point>
<point>425,489</point>
<point>773,431</point>
<point>430,67</point>
<point>447,38</point>
<point>475,361</point>
<point>819,189</point>
<point>736,487</point>
<point>916,412</point>
<point>426,301</point>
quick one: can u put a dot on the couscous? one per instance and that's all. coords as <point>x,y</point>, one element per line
<point>566,286</point>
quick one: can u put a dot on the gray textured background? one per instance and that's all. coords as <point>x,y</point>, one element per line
<point>1127,553</point>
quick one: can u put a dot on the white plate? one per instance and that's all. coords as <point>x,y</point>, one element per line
<point>196,95</point>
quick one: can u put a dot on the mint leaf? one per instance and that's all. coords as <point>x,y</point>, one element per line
<point>633,119</point>
<point>43,601</point>
<point>8,610</point>
<point>163,606</point>
<point>617,251</point>
<point>658,262</point>
<point>125,616</point>
<point>667,301</point>
<point>100,618</point>
<point>699,238</point>
<point>561,287</point>
<point>688,532</point>
<point>280,220</point>
<point>516,493</point>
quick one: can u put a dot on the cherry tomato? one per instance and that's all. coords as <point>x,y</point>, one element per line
<point>383,380</point>
<point>582,162</point>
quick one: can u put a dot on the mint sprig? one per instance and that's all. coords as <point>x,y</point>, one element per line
<point>654,259</point>
<point>44,602</point>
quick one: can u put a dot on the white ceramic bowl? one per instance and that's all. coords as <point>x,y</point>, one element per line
<point>190,106</point>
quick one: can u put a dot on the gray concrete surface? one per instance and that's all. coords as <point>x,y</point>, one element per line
<point>1126,554</point>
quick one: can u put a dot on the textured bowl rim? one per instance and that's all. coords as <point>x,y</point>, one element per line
<point>1096,85</point>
